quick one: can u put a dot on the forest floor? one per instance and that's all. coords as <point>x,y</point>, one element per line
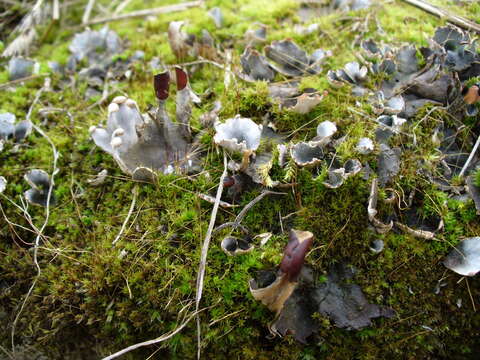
<point>111,264</point>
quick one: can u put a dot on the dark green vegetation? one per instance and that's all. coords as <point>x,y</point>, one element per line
<point>93,298</point>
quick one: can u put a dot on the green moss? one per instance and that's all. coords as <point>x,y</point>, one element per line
<point>112,296</point>
<point>55,52</point>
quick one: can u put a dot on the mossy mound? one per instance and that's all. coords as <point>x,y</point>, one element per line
<point>93,298</point>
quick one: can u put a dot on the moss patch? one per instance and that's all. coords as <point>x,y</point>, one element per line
<point>102,297</point>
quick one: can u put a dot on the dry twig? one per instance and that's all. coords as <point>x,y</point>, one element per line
<point>121,6</point>
<point>39,232</point>
<point>471,297</point>
<point>157,340</point>
<point>148,12</point>
<point>13,82</point>
<point>88,11</point>
<point>132,206</point>
<point>203,256</point>
<point>470,157</point>
<point>26,29</point>
<point>105,92</point>
<point>56,10</point>
<point>444,14</point>
<point>236,223</point>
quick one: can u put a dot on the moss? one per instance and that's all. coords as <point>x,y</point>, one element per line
<point>314,82</point>
<point>107,297</point>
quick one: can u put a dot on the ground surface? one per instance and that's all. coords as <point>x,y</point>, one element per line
<point>93,298</point>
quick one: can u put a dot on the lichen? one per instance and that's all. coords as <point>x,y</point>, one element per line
<point>98,298</point>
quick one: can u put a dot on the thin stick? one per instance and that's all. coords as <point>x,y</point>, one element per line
<point>154,341</point>
<point>27,78</point>
<point>105,93</point>
<point>411,336</point>
<point>148,12</point>
<point>241,215</point>
<point>228,69</point>
<point>56,10</point>
<point>444,14</point>
<point>16,3</point>
<point>26,29</point>
<point>7,353</point>
<point>231,224</point>
<point>124,225</point>
<point>226,316</point>
<point>203,257</point>
<point>470,157</point>
<point>471,297</point>
<point>88,11</point>
<point>281,222</point>
<point>247,207</point>
<point>47,211</point>
<point>121,6</point>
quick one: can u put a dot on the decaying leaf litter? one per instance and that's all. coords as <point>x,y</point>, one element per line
<point>381,130</point>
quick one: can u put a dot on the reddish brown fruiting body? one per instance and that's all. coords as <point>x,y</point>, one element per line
<point>229,181</point>
<point>182,78</point>
<point>471,95</point>
<point>294,253</point>
<point>160,84</point>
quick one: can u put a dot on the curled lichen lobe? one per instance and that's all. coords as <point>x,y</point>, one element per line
<point>294,253</point>
<point>181,77</point>
<point>471,95</point>
<point>160,83</point>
